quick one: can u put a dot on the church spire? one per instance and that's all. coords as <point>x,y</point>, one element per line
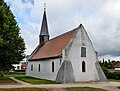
<point>44,34</point>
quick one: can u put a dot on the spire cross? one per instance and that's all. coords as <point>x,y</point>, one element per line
<point>44,6</point>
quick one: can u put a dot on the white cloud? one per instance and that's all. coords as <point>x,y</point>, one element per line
<point>20,9</point>
<point>30,34</point>
<point>100,18</point>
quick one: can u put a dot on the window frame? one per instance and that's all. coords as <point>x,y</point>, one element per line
<point>83,51</point>
<point>31,67</point>
<point>53,68</point>
<point>83,66</point>
<point>39,67</point>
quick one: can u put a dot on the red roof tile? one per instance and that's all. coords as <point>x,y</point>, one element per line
<point>54,47</point>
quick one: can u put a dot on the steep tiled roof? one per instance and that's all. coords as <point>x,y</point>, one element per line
<point>117,65</point>
<point>53,48</point>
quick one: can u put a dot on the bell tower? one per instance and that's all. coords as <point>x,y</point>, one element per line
<point>44,34</point>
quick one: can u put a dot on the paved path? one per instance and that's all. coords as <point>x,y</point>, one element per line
<point>19,81</point>
<point>110,86</point>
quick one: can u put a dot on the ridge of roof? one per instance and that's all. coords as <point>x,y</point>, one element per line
<point>62,34</point>
<point>54,46</point>
<point>34,51</point>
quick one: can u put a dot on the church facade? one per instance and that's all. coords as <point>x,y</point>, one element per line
<point>67,58</point>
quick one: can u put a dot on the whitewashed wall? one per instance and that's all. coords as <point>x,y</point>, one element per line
<point>117,68</point>
<point>81,40</point>
<point>45,69</point>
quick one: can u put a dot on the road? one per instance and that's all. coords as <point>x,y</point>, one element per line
<point>110,86</point>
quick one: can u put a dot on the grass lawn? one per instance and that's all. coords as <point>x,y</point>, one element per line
<point>6,80</point>
<point>84,89</point>
<point>14,75</point>
<point>43,89</point>
<point>114,80</point>
<point>23,89</point>
<point>33,80</point>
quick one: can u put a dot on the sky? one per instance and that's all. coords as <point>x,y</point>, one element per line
<point>101,19</point>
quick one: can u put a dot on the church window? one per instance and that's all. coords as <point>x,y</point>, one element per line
<point>18,67</point>
<point>83,66</point>
<point>32,67</point>
<point>60,61</point>
<point>42,38</point>
<point>39,68</point>
<point>83,52</point>
<point>52,66</point>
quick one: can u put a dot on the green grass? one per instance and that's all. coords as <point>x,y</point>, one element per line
<point>114,80</point>
<point>23,89</point>
<point>14,75</point>
<point>33,80</point>
<point>44,89</point>
<point>84,89</point>
<point>6,80</point>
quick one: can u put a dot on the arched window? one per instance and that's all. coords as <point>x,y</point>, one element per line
<point>83,66</point>
<point>60,61</point>
<point>52,66</point>
<point>39,68</point>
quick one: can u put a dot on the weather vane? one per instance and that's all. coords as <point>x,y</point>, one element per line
<point>44,6</point>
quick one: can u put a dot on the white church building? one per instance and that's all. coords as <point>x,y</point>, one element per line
<point>67,58</point>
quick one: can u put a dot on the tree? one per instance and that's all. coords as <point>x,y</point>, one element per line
<point>12,45</point>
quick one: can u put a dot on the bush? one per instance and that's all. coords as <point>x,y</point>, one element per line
<point>110,75</point>
<point>106,71</point>
<point>116,75</point>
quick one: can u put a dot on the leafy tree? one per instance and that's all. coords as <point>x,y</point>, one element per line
<point>103,60</point>
<point>108,64</point>
<point>12,45</point>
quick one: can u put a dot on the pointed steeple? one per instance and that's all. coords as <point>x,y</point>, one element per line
<point>44,34</point>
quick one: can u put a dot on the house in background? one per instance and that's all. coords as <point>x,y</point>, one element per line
<point>117,66</point>
<point>67,58</point>
<point>19,67</point>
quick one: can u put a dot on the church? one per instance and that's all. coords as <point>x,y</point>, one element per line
<point>67,58</point>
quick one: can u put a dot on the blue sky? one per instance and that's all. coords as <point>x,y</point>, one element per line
<point>101,19</point>
<point>26,1</point>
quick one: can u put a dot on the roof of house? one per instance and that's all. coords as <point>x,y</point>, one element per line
<point>53,48</point>
<point>117,65</point>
